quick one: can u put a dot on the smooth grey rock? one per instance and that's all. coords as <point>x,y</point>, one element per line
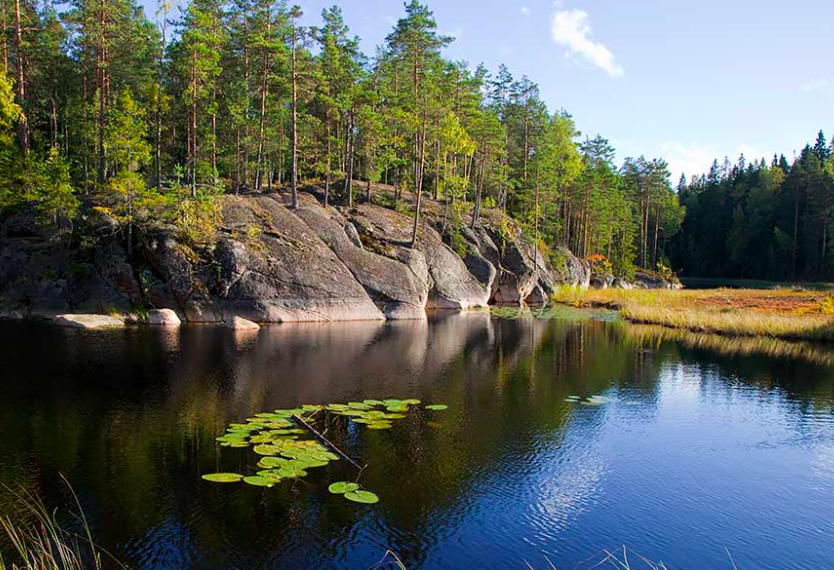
<point>240,324</point>
<point>392,285</point>
<point>88,322</point>
<point>163,318</point>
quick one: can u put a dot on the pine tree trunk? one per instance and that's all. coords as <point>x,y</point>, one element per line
<point>193,124</point>
<point>294,180</point>
<point>23,123</point>
<point>102,108</point>
<point>327,165</point>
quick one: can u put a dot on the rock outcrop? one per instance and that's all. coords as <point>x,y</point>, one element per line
<point>642,280</point>
<point>394,287</point>
<point>269,264</point>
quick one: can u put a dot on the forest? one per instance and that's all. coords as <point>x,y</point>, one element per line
<point>760,221</point>
<point>153,119</point>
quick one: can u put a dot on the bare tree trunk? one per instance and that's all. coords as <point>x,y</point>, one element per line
<point>294,180</point>
<point>327,165</point>
<point>419,183</point>
<point>102,109</point>
<point>194,124</point>
<point>350,158</point>
<point>23,123</point>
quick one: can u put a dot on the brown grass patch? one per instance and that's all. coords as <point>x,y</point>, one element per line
<point>786,314</point>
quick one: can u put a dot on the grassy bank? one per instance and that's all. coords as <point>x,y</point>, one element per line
<point>781,313</point>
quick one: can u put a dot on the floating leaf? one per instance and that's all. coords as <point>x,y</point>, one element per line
<point>267,449</point>
<point>358,405</point>
<point>380,425</point>
<point>337,407</point>
<point>223,477</point>
<point>343,487</point>
<point>291,473</point>
<point>362,421</point>
<point>373,415</point>
<point>357,413</point>
<point>362,497</point>
<point>272,462</point>
<point>437,407</point>
<point>374,402</point>
<point>396,409</point>
<point>258,481</point>
<point>393,416</point>
<point>392,402</point>
<point>411,402</point>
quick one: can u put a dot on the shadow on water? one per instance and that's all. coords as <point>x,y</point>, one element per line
<point>509,473</point>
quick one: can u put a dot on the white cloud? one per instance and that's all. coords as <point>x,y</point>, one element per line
<point>823,84</point>
<point>696,159</point>
<point>525,11</point>
<point>572,29</point>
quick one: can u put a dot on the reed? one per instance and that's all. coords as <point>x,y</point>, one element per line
<point>39,542</point>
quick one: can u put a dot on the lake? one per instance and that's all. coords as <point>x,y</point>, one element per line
<point>703,446</point>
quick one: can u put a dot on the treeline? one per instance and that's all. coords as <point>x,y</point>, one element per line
<point>147,120</point>
<point>760,221</point>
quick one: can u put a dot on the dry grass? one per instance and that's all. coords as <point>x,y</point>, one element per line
<point>39,542</point>
<point>783,313</point>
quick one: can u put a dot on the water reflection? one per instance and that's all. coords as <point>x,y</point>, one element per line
<point>698,432</point>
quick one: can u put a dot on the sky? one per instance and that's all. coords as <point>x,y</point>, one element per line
<point>683,80</point>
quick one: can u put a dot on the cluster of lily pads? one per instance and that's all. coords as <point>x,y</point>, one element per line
<point>368,412</point>
<point>353,492</point>
<point>275,437</point>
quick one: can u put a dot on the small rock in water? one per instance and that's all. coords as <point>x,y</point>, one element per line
<point>88,322</point>
<point>240,324</point>
<point>163,318</point>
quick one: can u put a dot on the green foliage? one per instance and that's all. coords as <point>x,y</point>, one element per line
<point>49,186</point>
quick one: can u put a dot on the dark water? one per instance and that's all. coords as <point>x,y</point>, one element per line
<point>706,445</point>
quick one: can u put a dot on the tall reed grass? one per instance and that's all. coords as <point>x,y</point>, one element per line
<point>40,542</point>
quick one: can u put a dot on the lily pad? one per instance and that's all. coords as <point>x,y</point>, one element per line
<point>343,487</point>
<point>437,407</point>
<point>272,462</point>
<point>291,473</point>
<point>380,425</point>
<point>393,416</point>
<point>267,449</point>
<point>223,477</point>
<point>411,402</point>
<point>365,497</point>
<point>373,403</point>
<point>258,481</point>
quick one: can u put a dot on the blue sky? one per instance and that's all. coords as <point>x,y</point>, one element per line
<point>687,80</point>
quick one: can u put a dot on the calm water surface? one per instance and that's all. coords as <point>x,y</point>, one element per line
<point>706,444</point>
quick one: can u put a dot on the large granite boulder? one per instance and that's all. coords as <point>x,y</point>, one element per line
<point>266,266</point>
<point>389,232</point>
<point>394,287</point>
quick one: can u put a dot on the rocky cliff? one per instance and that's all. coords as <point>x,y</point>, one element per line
<point>270,264</point>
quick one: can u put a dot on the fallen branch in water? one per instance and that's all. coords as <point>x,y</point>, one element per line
<point>300,421</point>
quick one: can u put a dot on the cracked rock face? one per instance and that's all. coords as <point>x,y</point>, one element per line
<point>269,264</point>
